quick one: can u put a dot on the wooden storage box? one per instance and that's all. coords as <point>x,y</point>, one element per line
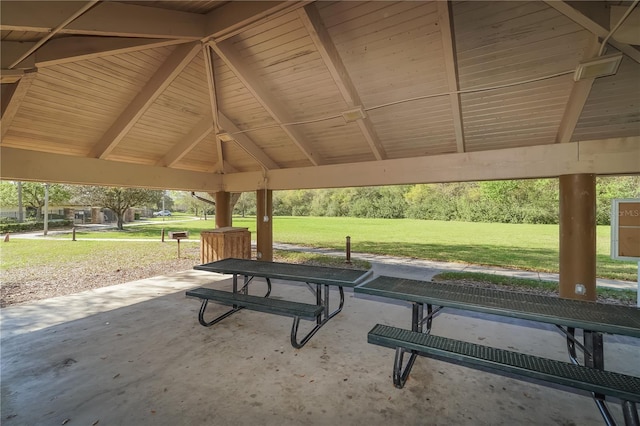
<point>223,243</point>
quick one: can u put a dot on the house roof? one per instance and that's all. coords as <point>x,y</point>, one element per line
<point>218,95</point>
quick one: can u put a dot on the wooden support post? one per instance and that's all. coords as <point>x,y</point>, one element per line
<point>264,226</point>
<point>223,209</point>
<point>578,236</point>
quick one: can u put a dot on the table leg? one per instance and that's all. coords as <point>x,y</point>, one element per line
<point>417,313</point>
<point>594,358</point>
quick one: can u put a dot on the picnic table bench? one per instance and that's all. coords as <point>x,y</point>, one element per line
<point>568,315</point>
<point>317,279</point>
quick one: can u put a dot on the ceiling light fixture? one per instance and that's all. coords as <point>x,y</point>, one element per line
<point>598,67</point>
<point>353,115</point>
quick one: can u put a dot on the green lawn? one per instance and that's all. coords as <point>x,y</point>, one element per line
<point>530,247</point>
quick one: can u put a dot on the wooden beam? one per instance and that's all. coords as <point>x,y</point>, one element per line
<point>14,104</point>
<point>235,17</point>
<point>79,48</point>
<point>213,101</point>
<point>24,165</point>
<point>608,156</point>
<point>451,65</point>
<point>47,36</point>
<point>163,77</point>
<point>10,76</point>
<point>577,99</point>
<point>247,144</point>
<point>593,27</point>
<point>105,19</point>
<point>202,129</point>
<point>252,82</point>
<point>312,21</point>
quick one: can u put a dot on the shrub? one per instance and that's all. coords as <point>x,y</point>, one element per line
<point>33,226</point>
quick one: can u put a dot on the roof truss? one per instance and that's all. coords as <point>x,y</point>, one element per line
<point>163,77</point>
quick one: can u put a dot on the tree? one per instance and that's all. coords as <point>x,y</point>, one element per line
<point>8,194</point>
<point>33,195</point>
<point>118,200</point>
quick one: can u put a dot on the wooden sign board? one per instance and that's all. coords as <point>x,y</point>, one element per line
<point>625,229</point>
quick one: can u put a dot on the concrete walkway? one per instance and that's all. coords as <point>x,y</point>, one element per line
<point>411,268</point>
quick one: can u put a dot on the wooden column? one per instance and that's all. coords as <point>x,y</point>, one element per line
<point>223,209</point>
<point>578,236</point>
<point>265,227</point>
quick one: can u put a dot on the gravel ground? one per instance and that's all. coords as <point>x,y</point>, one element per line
<point>22,285</point>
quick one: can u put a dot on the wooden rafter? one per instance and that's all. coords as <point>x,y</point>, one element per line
<point>16,99</point>
<point>448,48</point>
<point>312,21</point>
<point>247,144</point>
<point>213,101</point>
<point>251,81</point>
<point>597,29</point>
<point>179,150</point>
<point>577,99</point>
<point>119,19</point>
<point>67,49</point>
<point>113,19</point>
<point>163,77</point>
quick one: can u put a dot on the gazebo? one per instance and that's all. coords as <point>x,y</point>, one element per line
<point>227,97</point>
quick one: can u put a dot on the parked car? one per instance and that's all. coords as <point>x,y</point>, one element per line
<point>162,213</point>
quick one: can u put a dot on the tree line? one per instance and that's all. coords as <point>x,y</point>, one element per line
<point>533,201</point>
<point>511,201</point>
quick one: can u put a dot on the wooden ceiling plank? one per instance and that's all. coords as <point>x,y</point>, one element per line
<point>10,51</point>
<point>252,83</point>
<point>312,21</point>
<point>13,105</point>
<point>577,99</point>
<point>590,25</point>
<point>447,33</point>
<point>201,131</point>
<point>106,19</point>
<point>235,17</point>
<point>163,77</point>
<point>246,143</point>
<point>73,49</point>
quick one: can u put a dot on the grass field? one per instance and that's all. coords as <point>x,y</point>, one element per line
<point>529,247</point>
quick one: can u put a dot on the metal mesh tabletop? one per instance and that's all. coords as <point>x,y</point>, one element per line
<point>572,313</point>
<point>286,271</point>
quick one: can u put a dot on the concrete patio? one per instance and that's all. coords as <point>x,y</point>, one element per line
<point>134,354</point>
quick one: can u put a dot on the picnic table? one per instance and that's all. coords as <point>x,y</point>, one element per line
<point>319,279</point>
<point>593,319</point>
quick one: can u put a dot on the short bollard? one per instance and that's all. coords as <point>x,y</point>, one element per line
<point>163,235</point>
<point>73,234</point>
<point>348,262</point>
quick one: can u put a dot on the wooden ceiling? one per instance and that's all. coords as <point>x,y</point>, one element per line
<point>236,96</point>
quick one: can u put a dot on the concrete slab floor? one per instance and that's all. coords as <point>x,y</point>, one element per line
<point>134,354</point>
